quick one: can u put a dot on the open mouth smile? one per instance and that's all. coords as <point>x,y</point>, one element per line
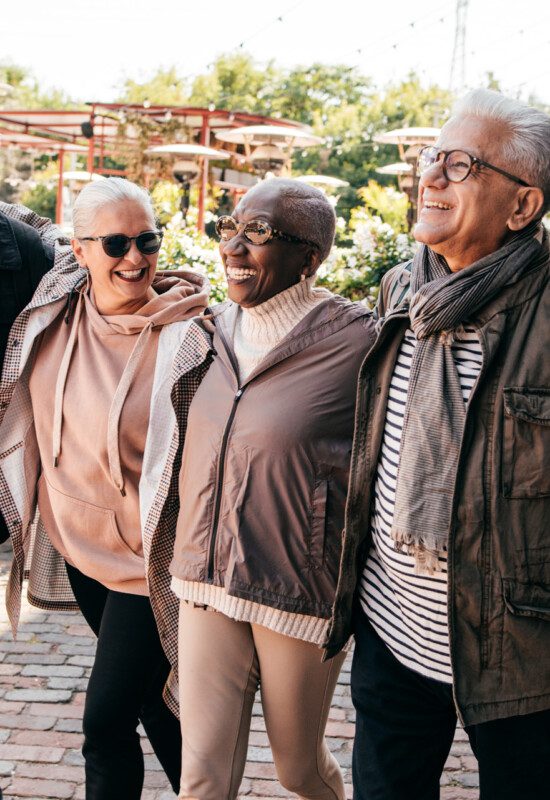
<point>431,204</point>
<point>131,275</point>
<point>239,274</point>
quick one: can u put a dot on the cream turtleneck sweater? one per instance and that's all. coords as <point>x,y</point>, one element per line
<point>257,331</point>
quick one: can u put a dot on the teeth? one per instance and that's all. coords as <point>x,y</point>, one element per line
<point>437,205</point>
<point>134,273</point>
<point>239,273</point>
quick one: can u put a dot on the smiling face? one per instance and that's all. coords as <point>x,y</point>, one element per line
<point>120,285</point>
<point>256,273</point>
<point>465,221</point>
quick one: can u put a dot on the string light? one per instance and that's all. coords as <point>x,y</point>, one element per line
<point>278,19</point>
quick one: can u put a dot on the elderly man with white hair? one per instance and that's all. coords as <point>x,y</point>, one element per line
<point>447,545</point>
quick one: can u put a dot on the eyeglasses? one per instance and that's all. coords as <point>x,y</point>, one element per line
<point>117,245</point>
<point>457,164</point>
<point>255,232</point>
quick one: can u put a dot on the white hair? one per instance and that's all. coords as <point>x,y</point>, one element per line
<point>97,194</point>
<point>306,210</point>
<point>526,152</point>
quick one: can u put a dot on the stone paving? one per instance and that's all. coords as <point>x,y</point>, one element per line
<point>43,678</point>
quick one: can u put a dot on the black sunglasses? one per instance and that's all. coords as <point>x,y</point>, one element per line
<point>117,245</point>
<point>256,232</point>
<point>457,164</point>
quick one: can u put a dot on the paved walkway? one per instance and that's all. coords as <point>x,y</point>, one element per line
<point>43,678</point>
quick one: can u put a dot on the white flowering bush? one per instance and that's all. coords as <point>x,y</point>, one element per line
<point>184,247</point>
<point>356,271</point>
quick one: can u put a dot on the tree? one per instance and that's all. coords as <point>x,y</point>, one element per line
<point>310,94</point>
<point>235,83</point>
<point>26,91</point>
<point>164,88</point>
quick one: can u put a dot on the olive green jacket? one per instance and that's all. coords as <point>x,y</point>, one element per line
<point>499,545</point>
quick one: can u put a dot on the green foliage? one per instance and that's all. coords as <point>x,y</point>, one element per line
<point>164,88</point>
<point>385,202</point>
<point>184,247</point>
<point>310,94</point>
<point>235,83</point>
<point>40,198</point>
<point>166,197</point>
<point>27,92</point>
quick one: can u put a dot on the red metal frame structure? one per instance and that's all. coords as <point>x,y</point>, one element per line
<point>28,141</point>
<point>65,127</point>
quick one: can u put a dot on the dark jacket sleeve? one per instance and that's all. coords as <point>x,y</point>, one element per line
<point>24,259</point>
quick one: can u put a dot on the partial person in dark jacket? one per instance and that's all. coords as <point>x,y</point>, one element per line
<point>447,525</point>
<point>24,259</point>
<point>262,487</point>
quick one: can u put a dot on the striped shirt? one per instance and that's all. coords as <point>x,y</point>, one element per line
<point>409,611</point>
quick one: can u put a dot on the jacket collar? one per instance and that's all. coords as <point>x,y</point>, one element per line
<point>322,321</point>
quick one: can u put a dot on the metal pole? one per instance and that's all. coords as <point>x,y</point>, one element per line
<point>203,187</point>
<point>91,143</point>
<point>59,200</point>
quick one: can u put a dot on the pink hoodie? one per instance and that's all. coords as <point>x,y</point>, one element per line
<point>90,387</point>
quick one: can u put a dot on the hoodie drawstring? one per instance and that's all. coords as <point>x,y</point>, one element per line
<point>113,451</point>
<point>62,380</point>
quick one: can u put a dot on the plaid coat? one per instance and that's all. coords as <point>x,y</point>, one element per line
<point>183,357</point>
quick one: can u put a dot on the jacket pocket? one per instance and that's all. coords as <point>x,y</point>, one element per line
<point>527,599</point>
<point>316,550</point>
<point>526,443</point>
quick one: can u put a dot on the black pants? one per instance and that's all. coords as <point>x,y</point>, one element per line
<point>405,728</point>
<point>125,687</point>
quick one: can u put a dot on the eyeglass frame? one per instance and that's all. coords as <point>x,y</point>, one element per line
<point>131,239</point>
<point>473,159</point>
<point>274,233</point>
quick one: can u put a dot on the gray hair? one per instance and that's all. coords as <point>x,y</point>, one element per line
<point>97,194</point>
<point>307,212</point>
<point>527,151</point>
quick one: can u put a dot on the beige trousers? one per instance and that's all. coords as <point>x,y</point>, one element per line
<point>221,664</point>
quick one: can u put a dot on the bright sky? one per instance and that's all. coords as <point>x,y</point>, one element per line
<point>87,47</point>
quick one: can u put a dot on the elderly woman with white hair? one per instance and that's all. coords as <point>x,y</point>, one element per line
<point>100,371</point>
<point>263,487</point>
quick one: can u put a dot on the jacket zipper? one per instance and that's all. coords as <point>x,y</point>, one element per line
<point>221,466</point>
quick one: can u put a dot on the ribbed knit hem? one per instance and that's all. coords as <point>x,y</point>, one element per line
<point>297,626</point>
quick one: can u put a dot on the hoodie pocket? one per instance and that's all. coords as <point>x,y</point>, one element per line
<point>87,536</point>
<point>526,443</point>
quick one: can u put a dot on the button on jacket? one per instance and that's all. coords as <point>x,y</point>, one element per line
<point>499,545</point>
<point>266,462</point>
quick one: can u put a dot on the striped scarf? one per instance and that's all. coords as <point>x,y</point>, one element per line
<point>435,414</point>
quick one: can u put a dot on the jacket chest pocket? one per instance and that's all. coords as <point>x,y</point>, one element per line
<point>526,443</point>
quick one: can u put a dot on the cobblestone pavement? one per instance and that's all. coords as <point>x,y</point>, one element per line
<point>43,678</point>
